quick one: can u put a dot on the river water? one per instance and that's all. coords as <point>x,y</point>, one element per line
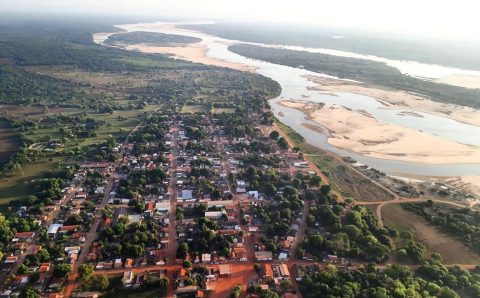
<point>296,86</point>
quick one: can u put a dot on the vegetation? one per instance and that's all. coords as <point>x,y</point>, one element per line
<point>128,240</point>
<point>463,224</point>
<point>354,233</point>
<point>363,71</point>
<point>66,93</point>
<point>431,280</point>
<point>152,38</point>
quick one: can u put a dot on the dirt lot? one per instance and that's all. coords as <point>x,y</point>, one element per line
<point>452,250</point>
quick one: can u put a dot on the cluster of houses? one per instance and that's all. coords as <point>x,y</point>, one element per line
<point>52,229</point>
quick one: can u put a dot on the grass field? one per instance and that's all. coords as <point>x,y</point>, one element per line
<point>195,109</point>
<point>15,187</point>
<point>452,250</point>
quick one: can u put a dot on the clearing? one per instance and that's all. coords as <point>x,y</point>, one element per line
<point>452,250</point>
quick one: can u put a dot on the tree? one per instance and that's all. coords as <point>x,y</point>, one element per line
<point>182,250</point>
<point>325,189</point>
<point>286,285</point>
<point>187,264</point>
<point>43,255</point>
<point>61,270</point>
<point>270,189</point>
<point>29,292</point>
<point>236,291</point>
<point>256,267</point>
<point>274,135</point>
<point>85,272</point>
<point>415,251</point>
<point>282,143</point>
<point>446,292</point>
<point>23,269</point>
<point>100,282</point>
<point>315,181</point>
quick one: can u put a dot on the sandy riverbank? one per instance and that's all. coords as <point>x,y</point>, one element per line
<point>400,99</point>
<point>467,81</point>
<point>194,53</point>
<point>470,183</point>
<point>363,134</point>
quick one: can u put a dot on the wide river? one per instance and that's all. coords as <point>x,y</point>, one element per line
<point>296,86</point>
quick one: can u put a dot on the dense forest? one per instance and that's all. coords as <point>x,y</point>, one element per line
<point>152,38</point>
<point>363,71</point>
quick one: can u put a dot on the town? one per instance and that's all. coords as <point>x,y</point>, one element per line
<point>190,205</point>
<point>188,202</point>
<point>137,162</point>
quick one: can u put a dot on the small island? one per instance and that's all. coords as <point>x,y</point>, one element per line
<point>151,38</point>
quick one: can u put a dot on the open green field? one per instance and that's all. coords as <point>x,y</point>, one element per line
<point>452,250</point>
<point>195,109</point>
<point>8,141</point>
<point>16,186</point>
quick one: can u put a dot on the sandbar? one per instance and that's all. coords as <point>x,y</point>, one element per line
<point>363,134</point>
<point>397,99</point>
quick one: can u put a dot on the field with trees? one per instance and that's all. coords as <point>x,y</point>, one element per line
<point>411,226</point>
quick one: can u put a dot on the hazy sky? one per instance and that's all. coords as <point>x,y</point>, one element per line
<point>437,17</point>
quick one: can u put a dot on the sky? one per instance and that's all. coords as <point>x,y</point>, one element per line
<point>422,17</point>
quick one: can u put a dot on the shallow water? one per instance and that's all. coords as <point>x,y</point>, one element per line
<point>296,86</point>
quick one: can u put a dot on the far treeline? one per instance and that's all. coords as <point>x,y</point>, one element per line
<point>361,70</point>
<point>152,38</point>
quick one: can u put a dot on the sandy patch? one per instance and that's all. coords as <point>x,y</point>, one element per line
<point>363,134</point>
<point>466,81</point>
<point>395,99</point>
<point>469,183</point>
<point>194,53</point>
<point>314,127</point>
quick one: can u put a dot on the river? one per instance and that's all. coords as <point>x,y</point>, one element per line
<point>296,86</point>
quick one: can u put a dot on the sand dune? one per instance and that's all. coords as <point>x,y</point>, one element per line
<point>363,134</point>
